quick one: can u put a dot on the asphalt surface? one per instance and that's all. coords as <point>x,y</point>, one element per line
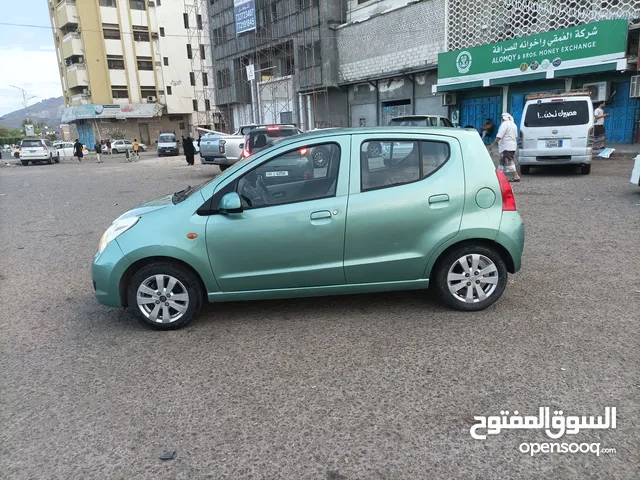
<point>380,386</point>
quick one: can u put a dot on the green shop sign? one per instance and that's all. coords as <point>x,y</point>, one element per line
<point>585,45</point>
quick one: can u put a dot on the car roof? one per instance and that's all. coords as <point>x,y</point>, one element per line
<point>281,126</point>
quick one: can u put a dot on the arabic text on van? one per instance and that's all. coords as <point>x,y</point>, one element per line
<point>561,113</point>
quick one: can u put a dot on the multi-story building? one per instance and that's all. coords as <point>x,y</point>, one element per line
<point>133,68</point>
<point>290,49</point>
<point>388,53</point>
<point>499,51</point>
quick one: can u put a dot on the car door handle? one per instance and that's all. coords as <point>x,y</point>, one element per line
<point>438,198</point>
<point>320,215</point>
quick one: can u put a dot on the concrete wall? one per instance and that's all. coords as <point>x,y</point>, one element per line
<point>408,37</point>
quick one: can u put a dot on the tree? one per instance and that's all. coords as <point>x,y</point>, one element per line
<point>52,136</point>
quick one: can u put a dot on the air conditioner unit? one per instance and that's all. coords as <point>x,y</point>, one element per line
<point>449,99</point>
<point>151,98</point>
<point>635,87</point>
<point>599,92</point>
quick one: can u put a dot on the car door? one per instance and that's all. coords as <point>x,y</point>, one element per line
<point>400,210</point>
<point>291,231</point>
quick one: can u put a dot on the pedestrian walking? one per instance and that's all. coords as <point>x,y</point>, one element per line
<point>599,132</point>
<point>487,130</point>
<point>99,151</point>
<point>109,146</point>
<point>507,140</point>
<point>136,148</point>
<point>189,149</point>
<point>77,150</point>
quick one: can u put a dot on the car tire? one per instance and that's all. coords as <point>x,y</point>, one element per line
<point>320,157</point>
<point>186,283</point>
<point>585,169</point>
<point>25,162</point>
<point>57,159</point>
<point>374,149</point>
<point>525,169</point>
<point>114,151</point>
<point>454,289</point>
<point>50,161</point>
<point>223,167</point>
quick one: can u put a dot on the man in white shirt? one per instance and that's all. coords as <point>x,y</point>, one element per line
<point>599,131</point>
<point>507,140</point>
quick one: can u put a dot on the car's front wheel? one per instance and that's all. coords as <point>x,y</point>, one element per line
<point>25,162</point>
<point>471,277</point>
<point>165,295</point>
<point>57,159</point>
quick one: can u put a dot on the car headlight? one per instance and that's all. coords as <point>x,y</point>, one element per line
<point>118,227</point>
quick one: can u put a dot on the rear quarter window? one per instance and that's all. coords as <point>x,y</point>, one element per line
<point>569,113</point>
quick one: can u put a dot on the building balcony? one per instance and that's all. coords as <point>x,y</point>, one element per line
<point>310,77</point>
<point>66,13</point>
<point>72,45</point>
<point>77,76</point>
<point>80,99</point>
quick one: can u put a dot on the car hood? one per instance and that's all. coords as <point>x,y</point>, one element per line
<point>148,207</point>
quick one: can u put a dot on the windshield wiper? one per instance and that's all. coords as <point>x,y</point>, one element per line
<point>181,195</point>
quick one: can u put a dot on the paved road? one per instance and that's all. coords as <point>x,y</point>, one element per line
<point>359,387</point>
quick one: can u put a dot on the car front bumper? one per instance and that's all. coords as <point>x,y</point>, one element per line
<point>168,151</point>
<point>106,272</point>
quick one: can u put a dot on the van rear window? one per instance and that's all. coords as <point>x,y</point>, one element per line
<point>557,114</point>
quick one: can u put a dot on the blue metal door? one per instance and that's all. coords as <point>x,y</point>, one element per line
<point>475,111</point>
<point>621,110</point>
<point>517,107</point>
<point>85,134</point>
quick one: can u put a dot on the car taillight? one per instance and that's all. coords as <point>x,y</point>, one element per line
<point>508,200</point>
<point>273,128</point>
<point>303,151</point>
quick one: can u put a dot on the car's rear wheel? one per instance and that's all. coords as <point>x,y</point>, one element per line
<point>114,151</point>
<point>585,169</point>
<point>57,159</point>
<point>471,277</point>
<point>525,169</point>
<point>25,162</point>
<point>50,160</point>
<point>165,295</point>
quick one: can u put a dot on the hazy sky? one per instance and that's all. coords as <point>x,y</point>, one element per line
<point>27,55</point>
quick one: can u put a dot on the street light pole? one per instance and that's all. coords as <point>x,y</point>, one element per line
<point>25,100</point>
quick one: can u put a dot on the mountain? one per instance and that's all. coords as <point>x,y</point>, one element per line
<point>47,111</point>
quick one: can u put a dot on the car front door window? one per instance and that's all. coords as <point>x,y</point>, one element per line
<point>303,174</point>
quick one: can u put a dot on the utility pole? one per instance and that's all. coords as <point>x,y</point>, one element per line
<point>25,100</point>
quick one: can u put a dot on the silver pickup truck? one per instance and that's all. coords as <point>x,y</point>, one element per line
<point>222,149</point>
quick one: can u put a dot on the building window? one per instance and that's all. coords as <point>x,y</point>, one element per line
<point>205,80</point>
<point>207,105</point>
<point>286,117</point>
<point>145,63</point>
<point>140,34</point>
<point>111,31</point>
<point>181,125</point>
<point>199,21</point>
<point>189,52</point>
<point>218,34</point>
<point>224,77</point>
<point>162,31</point>
<point>166,61</point>
<point>147,92</point>
<point>169,92</point>
<point>158,3</point>
<point>192,78</point>
<point>202,52</point>
<point>137,5</point>
<point>185,19</point>
<point>115,62</point>
<point>302,4</point>
<point>107,3</point>
<point>119,91</point>
<point>195,105</point>
<point>274,12</point>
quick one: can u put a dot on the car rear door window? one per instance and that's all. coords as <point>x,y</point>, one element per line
<point>385,163</point>
<point>291,177</point>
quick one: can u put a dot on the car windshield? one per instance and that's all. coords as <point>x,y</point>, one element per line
<point>31,143</point>
<point>557,114</point>
<point>266,137</point>
<point>413,122</point>
<point>167,138</point>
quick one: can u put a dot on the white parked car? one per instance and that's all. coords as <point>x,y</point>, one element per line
<point>635,173</point>
<point>38,150</point>
<point>120,146</point>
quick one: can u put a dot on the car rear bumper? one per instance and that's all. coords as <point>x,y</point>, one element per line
<point>213,160</point>
<point>553,160</point>
<point>106,273</point>
<point>511,237</point>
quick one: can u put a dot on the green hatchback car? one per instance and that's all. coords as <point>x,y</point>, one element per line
<point>431,211</point>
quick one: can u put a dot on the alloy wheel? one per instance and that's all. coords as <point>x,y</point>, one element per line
<point>162,298</point>
<point>472,278</point>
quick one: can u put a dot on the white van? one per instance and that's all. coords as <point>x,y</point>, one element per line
<point>557,131</point>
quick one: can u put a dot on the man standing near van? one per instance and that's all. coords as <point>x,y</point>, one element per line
<point>599,131</point>
<point>507,140</point>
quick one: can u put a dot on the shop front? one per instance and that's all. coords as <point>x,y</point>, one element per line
<point>495,78</point>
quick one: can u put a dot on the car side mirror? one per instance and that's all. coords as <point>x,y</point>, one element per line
<point>230,203</point>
